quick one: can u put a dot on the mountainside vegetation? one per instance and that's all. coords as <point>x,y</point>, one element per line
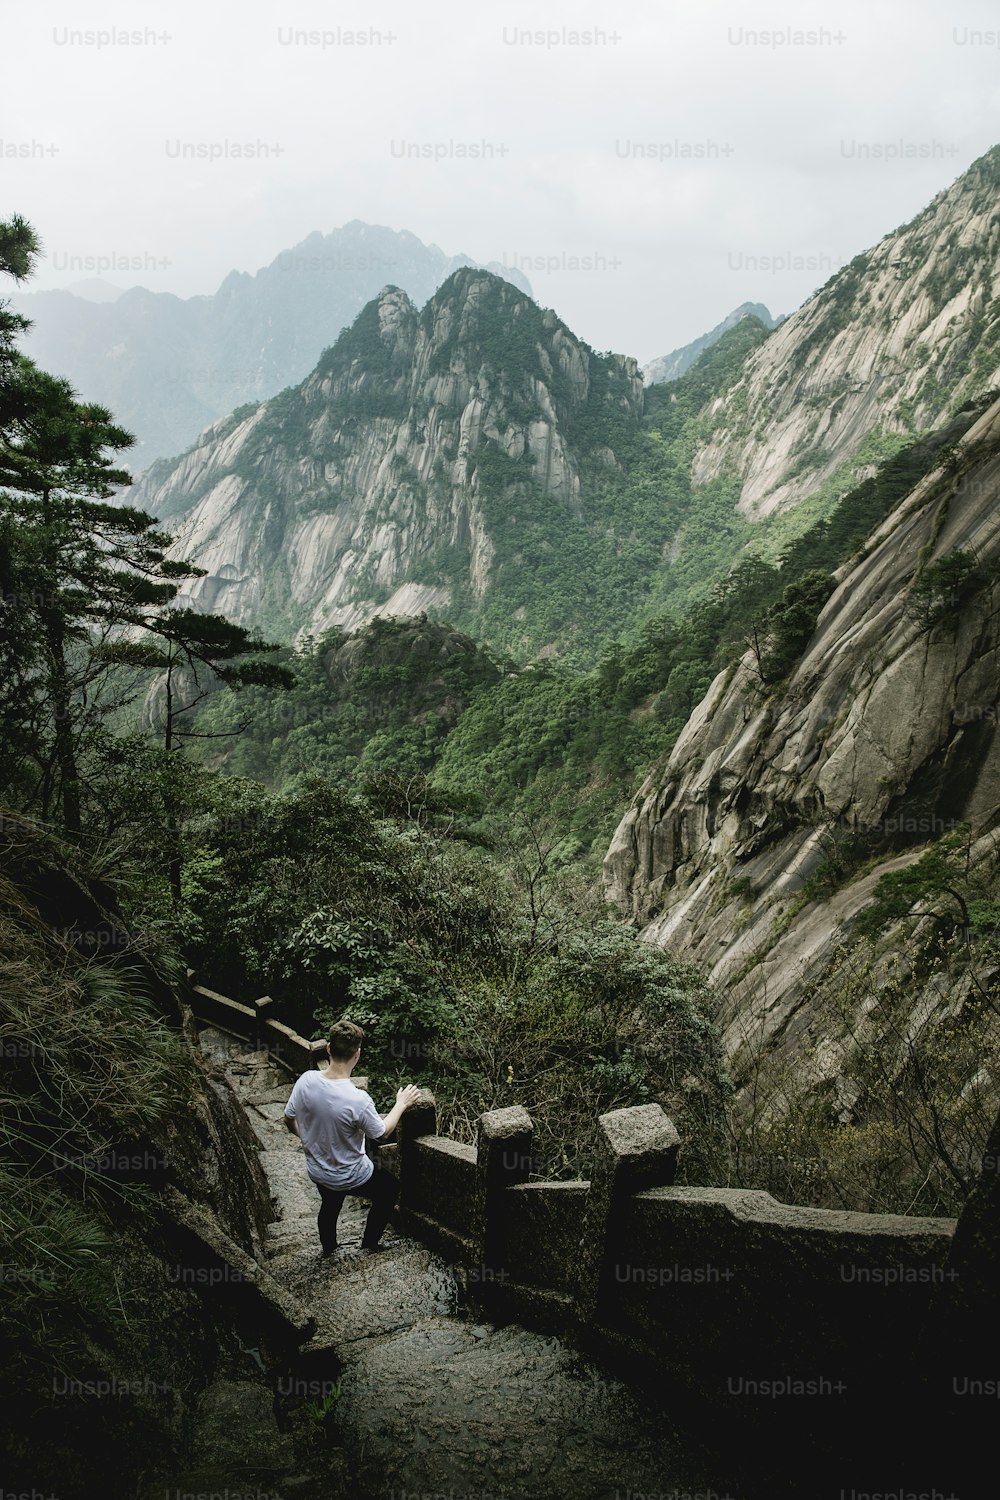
<point>552,739</point>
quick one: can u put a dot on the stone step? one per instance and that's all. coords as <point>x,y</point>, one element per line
<point>268,1109</point>
<point>304,1227</point>
<point>430,1403</point>
<point>278,1094</point>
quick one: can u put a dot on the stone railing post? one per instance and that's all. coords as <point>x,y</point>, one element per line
<point>503,1158</point>
<point>967,1306</point>
<point>262,1008</point>
<point>636,1149</point>
<point>420,1119</point>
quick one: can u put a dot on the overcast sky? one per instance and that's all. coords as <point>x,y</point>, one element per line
<point>690,151</point>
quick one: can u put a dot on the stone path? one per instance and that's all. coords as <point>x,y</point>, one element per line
<point>428,1403</point>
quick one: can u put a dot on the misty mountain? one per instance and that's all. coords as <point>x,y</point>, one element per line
<point>476,460</point>
<point>168,366</point>
<point>455,458</point>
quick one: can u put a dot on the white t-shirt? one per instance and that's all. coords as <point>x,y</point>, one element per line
<point>333,1119</point>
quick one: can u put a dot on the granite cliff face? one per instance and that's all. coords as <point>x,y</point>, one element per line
<point>168,366</point>
<point>882,738</point>
<point>891,344</point>
<point>378,485</point>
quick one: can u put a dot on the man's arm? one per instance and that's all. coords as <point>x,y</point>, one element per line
<point>290,1111</point>
<point>404,1098</point>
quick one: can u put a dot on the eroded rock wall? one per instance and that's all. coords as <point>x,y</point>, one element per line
<point>890,343</point>
<point>886,725</point>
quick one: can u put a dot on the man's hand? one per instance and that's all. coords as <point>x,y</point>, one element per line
<point>405,1096</point>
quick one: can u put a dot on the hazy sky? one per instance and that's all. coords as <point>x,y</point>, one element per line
<point>699,154</point>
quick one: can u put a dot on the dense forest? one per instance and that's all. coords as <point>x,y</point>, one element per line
<point>555,739</point>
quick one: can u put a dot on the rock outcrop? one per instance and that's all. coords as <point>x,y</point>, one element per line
<point>885,729</point>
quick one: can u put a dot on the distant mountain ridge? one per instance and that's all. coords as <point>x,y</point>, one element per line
<point>169,366</point>
<point>672,366</point>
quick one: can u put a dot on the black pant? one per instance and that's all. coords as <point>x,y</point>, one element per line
<point>381,1187</point>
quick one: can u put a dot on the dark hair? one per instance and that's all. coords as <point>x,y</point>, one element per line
<point>344,1040</point>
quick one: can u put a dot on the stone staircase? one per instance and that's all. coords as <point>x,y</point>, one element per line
<point>424,1400</point>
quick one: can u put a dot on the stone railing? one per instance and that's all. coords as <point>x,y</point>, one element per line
<point>718,1287</point>
<point>283,1045</point>
<point>725,1290</point>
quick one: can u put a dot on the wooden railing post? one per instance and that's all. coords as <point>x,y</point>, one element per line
<point>262,1006</point>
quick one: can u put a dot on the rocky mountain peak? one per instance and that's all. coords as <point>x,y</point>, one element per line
<point>672,366</point>
<point>170,366</point>
<point>382,484</point>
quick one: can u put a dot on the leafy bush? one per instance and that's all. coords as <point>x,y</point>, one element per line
<point>597,1022</point>
<point>942,587</point>
<point>486,974</point>
<point>932,884</point>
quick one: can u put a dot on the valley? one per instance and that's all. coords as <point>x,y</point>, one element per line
<point>597,738</point>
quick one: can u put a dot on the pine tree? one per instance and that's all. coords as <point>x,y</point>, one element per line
<point>87,585</point>
<point>192,653</point>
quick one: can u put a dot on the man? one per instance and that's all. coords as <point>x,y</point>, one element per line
<point>332,1118</point>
